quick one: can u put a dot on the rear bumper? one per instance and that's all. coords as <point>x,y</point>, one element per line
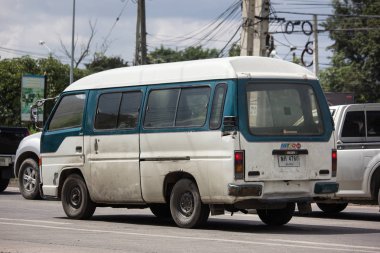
<point>282,190</point>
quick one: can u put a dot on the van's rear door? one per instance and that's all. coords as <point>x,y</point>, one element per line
<point>286,130</point>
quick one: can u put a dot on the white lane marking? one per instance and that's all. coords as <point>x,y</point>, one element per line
<point>325,244</point>
<point>37,221</point>
<point>315,246</point>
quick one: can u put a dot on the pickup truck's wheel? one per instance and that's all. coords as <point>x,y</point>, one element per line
<point>161,210</point>
<point>29,179</point>
<point>186,206</point>
<point>75,198</point>
<point>277,217</point>
<point>4,184</point>
<point>332,208</point>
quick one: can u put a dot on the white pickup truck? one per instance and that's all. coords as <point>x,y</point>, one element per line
<point>358,144</point>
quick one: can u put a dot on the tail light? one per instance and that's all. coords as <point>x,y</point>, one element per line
<point>239,164</point>
<point>334,160</point>
<point>40,162</point>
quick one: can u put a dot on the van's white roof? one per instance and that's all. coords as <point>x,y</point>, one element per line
<point>199,70</point>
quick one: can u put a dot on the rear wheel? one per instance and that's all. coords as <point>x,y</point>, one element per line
<point>161,210</point>
<point>76,200</point>
<point>4,184</point>
<point>332,207</point>
<point>277,217</point>
<point>185,205</point>
<point>29,179</point>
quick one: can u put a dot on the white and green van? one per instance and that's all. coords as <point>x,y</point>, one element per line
<point>189,138</point>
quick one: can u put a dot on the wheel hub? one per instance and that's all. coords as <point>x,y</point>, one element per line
<point>29,179</point>
<point>75,198</point>
<point>186,204</point>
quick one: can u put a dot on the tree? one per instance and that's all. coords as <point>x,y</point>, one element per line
<point>356,50</point>
<point>102,62</point>
<point>84,48</point>
<point>11,72</point>
<point>162,54</point>
<point>234,50</point>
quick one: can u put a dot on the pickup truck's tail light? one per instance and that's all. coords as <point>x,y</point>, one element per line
<point>39,162</point>
<point>239,164</point>
<point>334,160</point>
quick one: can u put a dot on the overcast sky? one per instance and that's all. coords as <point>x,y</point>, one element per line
<point>24,23</point>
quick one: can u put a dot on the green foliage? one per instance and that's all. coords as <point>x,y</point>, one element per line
<point>161,55</point>
<point>102,62</point>
<point>234,50</point>
<point>11,72</point>
<point>356,51</point>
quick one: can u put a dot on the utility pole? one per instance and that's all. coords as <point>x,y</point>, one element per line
<point>261,28</point>
<point>140,53</point>
<point>255,28</point>
<point>72,46</point>
<point>248,14</point>
<point>315,45</point>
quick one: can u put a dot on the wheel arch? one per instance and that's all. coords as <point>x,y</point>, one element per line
<point>375,182</point>
<point>171,179</point>
<point>22,158</point>
<point>64,174</point>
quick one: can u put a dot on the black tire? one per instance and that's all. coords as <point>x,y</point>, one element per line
<point>29,179</point>
<point>332,208</point>
<point>75,198</point>
<point>186,206</point>
<point>4,184</point>
<point>161,210</point>
<point>277,217</point>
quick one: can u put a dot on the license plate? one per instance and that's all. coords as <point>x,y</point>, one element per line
<point>288,161</point>
<point>5,161</point>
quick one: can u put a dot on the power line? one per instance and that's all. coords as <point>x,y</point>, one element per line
<point>114,24</point>
<point>329,15</point>
<point>233,36</point>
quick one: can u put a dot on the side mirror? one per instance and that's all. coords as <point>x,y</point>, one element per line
<point>34,114</point>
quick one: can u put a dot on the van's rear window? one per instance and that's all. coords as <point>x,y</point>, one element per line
<point>283,109</point>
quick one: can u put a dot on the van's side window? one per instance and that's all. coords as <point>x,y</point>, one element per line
<point>354,125</point>
<point>218,106</point>
<point>107,112</point>
<point>373,123</point>
<point>69,113</point>
<point>192,107</point>
<point>186,107</point>
<point>129,110</point>
<point>161,108</point>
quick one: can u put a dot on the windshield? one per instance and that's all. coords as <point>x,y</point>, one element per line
<point>283,109</point>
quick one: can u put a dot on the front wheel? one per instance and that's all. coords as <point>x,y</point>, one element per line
<point>4,184</point>
<point>76,200</point>
<point>332,208</point>
<point>29,179</point>
<point>277,217</point>
<point>186,206</point>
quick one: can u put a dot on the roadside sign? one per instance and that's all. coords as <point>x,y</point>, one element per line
<point>32,89</point>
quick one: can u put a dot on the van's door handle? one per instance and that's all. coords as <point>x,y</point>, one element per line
<point>78,149</point>
<point>96,145</point>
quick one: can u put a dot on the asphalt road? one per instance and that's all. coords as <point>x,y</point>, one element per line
<point>41,226</point>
